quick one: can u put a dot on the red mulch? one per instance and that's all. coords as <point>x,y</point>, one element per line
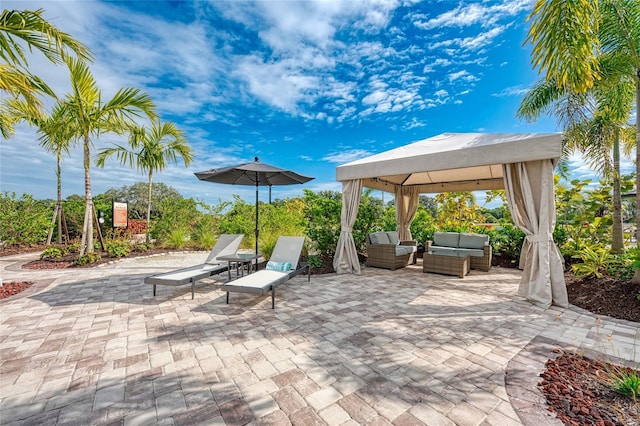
<point>578,390</point>
<point>10,289</point>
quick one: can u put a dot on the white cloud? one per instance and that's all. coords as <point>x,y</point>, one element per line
<point>474,13</point>
<point>346,156</point>
<point>463,75</point>
<point>511,91</point>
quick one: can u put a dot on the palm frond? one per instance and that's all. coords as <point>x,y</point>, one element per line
<point>30,27</point>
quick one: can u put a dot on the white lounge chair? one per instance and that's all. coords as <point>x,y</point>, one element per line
<point>282,266</point>
<point>227,244</point>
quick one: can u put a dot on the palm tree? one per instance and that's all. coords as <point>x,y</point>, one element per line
<point>29,27</point>
<point>578,43</point>
<point>86,116</point>
<point>594,124</point>
<point>150,150</point>
<point>53,138</point>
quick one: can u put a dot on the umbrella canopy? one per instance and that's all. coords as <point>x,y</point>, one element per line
<point>256,174</point>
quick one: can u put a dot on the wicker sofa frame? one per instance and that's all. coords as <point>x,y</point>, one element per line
<point>476,262</point>
<point>384,255</point>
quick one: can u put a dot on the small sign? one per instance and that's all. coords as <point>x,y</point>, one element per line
<point>120,219</point>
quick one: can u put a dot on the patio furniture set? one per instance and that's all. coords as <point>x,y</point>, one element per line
<point>450,253</point>
<point>283,265</point>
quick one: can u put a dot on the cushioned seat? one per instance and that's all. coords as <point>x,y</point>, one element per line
<point>385,250</point>
<point>476,246</point>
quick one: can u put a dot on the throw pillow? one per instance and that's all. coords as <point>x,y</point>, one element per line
<point>278,266</point>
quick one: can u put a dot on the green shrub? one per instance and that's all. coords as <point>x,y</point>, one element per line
<point>141,247</point>
<point>51,253</point>
<point>625,381</point>
<point>72,248</point>
<point>87,259</point>
<point>507,240</point>
<point>620,266</point>
<point>594,262</point>
<point>314,261</point>
<point>177,237</point>
<point>118,248</point>
<point>24,220</point>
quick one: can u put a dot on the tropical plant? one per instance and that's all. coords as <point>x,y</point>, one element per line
<point>86,116</point>
<point>87,259</point>
<point>29,27</point>
<point>577,44</point>
<point>117,248</point>
<point>51,253</point>
<point>595,261</point>
<point>54,138</point>
<point>150,150</point>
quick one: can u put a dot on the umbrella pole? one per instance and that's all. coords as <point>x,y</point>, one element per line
<point>257,214</point>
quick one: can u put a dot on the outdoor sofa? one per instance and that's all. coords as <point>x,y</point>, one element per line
<point>385,250</point>
<point>456,244</point>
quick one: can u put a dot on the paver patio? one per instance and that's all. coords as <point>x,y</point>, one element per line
<point>93,346</point>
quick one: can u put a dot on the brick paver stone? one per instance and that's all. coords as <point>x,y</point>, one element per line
<point>93,346</point>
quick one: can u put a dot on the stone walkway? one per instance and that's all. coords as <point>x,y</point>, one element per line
<point>93,346</point>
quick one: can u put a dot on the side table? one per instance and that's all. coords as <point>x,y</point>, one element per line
<point>239,260</point>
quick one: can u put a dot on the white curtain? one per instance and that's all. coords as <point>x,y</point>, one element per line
<point>530,196</point>
<point>346,257</point>
<point>406,207</point>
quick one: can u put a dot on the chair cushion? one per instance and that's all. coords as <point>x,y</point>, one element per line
<point>393,237</point>
<point>278,266</point>
<point>446,239</point>
<point>473,241</point>
<point>402,250</point>
<point>379,238</point>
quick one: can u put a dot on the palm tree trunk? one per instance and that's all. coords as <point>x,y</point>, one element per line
<point>617,243</point>
<point>59,205</point>
<point>636,275</point>
<point>87,230</point>
<point>148,236</point>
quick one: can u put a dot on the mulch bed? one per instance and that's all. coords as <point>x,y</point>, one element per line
<point>13,288</point>
<point>578,390</point>
<point>605,296</point>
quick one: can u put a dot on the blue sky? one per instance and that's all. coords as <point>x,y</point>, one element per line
<point>304,85</point>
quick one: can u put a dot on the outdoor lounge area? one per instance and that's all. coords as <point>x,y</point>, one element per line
<point>385,347</point>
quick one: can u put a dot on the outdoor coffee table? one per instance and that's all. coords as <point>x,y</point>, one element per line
<point>239,260</point>
<point>443,264</point>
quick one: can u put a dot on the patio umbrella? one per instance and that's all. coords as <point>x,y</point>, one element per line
<point>254,173</point>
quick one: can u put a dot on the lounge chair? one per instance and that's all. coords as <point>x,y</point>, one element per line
<point>227,244</point>
<point>282,266</point>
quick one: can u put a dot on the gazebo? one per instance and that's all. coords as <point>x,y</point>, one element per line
<point>520,163</point>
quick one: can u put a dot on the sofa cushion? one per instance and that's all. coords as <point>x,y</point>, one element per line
<point>443,251</point>
<point>393,237</point>
<point>473,241</point>
<point>469,252</point>
<point>379,238</point>
<point>446,239</point>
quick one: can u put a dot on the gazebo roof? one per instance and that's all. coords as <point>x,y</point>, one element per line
<point>452,161</point>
